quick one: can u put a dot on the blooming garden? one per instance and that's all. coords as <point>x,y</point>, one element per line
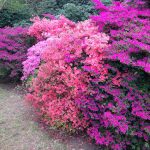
<point>90,75</point>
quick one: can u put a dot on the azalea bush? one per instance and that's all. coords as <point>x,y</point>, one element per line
<point>67,48</point>
<point>129,36</point>
<point>13,48</point>
<point>52,94</point>
<point>117,110</point>
<point>94,75</point>
<point>40,29</point>
<point>123,110</point>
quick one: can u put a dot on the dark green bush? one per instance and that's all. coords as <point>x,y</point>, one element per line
<point>18,12</point>
<point>13,12</point>
<point>9,18</point>
<point>106,2</point>
<point>75,10</point>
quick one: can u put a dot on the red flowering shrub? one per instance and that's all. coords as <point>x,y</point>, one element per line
<point>53,95</point>
<point>12,50</point>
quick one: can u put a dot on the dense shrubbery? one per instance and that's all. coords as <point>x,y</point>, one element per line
<point>124,110</point>
<point>91,75</point>
<point>14,43</point>
<point>129,31</point>
<point>18,12</point>
<point>74,10</point>
<point>69,47</point>
<point>9,18</point>
<point>13,12</point>
<point>76,65</point>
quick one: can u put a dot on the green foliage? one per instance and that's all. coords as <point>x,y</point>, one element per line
<point>19,12</point>
<point>44,6</point>
<point>142,81</point>
<point>3,72</point>
<point>23,23</point>
<point>106,2</point>
<point>61,3</point>
<point>76,12</point>
<point>13,12</point>
<point>9,18</point>
<point>13,5</point>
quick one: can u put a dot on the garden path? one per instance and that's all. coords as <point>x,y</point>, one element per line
<point>20,130</point>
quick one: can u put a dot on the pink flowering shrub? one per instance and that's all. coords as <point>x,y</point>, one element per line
<point>52,93</point>
<point>41,30</point>
<point>54,90</point>
<point>13,49</point>
<point>50,27</point>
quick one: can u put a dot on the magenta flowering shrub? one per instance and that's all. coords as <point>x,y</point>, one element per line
<point>129,30</point>
<point>117,112</point>
<point>117,108</point>
<point>13,50</point>
<point>139,3</point>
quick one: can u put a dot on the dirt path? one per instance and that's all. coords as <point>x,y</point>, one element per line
<point>19,131</point>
